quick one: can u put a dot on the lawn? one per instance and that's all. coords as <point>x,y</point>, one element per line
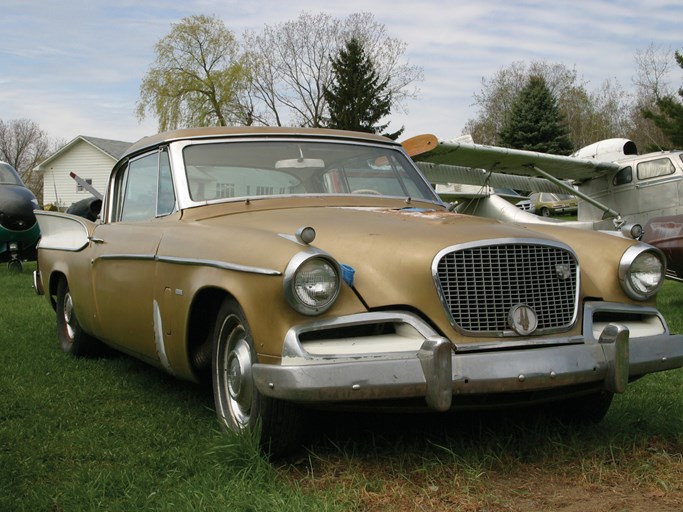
<point>115,434</point>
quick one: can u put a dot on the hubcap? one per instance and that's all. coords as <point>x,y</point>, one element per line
<point>68,315</point>
<point>236,386</point>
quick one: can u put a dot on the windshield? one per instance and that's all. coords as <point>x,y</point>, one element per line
<point>267,168</point>
<point>8,176</point>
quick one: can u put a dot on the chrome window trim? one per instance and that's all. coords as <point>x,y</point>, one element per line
<point>497,242</point>
<point>184,200</point>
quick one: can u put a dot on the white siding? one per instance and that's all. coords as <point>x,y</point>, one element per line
<point>87,162</point>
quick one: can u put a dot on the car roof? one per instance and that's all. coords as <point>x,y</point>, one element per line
<point>250,131</point>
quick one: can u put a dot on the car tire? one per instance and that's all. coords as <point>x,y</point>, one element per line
<point>239,405</point>
<point>545,212</point>
<point>72,338</point>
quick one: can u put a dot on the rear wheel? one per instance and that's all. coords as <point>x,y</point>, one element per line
<point>72,338</point>
<point>239,405</point>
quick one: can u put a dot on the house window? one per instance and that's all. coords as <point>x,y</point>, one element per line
<point>79,187</point>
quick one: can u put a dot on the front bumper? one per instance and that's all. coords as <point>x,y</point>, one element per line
<point>440,371</point>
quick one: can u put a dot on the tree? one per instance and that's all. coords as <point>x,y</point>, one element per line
<point>292,65</point>
<point>589,116</point>
<point>668,115</point>
<point>197,77</point>
<point>534,122</point>
<point>651,80</point>
<point>24,145</point>
<point>356,98</point>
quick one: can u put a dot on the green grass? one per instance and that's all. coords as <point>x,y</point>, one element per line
<point>115,434</point>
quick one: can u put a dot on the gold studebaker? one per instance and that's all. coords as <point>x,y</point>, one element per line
<point>299,268</point>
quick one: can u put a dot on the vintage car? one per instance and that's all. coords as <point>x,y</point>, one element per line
<point>547,204</point>
<point>307,268</point>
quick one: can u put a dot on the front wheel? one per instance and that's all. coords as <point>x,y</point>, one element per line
<point>239,405</point>
<point>545,212</point>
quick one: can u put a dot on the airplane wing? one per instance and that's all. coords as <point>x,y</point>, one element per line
<point>426,148</point>
<point>443,174</point>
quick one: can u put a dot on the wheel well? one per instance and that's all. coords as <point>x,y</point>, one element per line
<point>203,311</point>
<point>55,277</point>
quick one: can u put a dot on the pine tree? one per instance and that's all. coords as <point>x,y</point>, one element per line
<point>357,99</point>
<point>534,122</point>
<point>669,117</point>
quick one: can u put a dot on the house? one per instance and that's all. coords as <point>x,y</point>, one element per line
<point>90,158</point>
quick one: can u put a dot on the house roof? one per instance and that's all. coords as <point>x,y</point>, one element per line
<point>112,148</point>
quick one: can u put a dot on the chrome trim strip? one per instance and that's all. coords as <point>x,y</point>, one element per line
<point>218,264</point>
<point>292,347</point>
<point>123,256</point>
<point>591,308</point>
<point>159,340</point>
<point>191,261</point>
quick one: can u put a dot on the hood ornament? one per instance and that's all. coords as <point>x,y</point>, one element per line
<point>522,319</point>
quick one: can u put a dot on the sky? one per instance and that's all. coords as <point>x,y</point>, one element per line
<point>75,66</point>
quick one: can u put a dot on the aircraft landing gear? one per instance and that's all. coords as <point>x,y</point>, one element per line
<point>14,266</point>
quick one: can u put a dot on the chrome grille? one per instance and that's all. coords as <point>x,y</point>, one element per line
<point>480,284</point>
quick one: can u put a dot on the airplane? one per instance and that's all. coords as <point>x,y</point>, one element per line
<point>19,232</point>
<point>619,191</point>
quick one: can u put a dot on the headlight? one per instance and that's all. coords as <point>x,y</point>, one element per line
<point>311,283</point>
<point>641,271</point>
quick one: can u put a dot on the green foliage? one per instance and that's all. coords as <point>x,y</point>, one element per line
<point>669,114</point>
<point>534,122</point>
<point>197,77</point>
<point>357,99</point>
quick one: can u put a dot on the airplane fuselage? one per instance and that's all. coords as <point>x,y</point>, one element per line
<point>644,187</point>
<point>19,232</point>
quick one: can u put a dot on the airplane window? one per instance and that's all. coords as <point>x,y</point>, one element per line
<point>7,176</point>
<point>655,168</point>
<point>623,177</point>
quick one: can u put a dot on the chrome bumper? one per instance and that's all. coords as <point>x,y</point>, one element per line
<point>439,372</point>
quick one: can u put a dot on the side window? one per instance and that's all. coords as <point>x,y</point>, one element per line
<point>623,177</point>
<point>139,196</point>
<point>166,203</point>
<point>655,168</point>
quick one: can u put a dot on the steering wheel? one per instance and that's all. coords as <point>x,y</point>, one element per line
<point>367,191</point>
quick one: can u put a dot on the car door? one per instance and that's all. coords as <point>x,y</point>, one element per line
<point>125,247</point>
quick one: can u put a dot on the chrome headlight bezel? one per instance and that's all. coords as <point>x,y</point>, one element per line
<point>634,263</point>
<point>295,294</point>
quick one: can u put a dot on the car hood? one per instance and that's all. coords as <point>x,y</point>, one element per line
<point>391,248</point>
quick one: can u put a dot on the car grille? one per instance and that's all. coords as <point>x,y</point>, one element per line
<point>479,285</point>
